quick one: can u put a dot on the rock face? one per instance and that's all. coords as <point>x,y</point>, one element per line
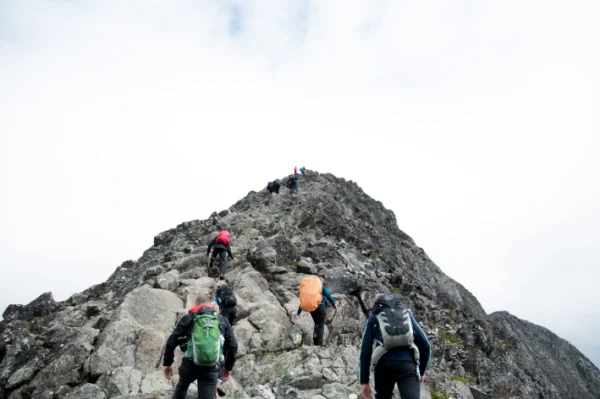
<point>107,341</point>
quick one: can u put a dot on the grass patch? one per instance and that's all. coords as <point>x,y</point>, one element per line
<point>397,290</point>
<point>290,263</point>
<point>377,255</point>
<point>461,379</point>
<point>34,320</point>
<point>448,337</point>
<point>438,393</point>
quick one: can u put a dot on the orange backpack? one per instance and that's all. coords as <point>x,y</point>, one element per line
<point>310,293</point>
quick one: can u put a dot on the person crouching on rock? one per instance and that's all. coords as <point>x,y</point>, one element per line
<point>273,186</point>
<point>311,300</point>
<point>221,246</point>
<point>401,352</point>
<point>292,184</point>
<point>211,342</point>
<point>227,302</point>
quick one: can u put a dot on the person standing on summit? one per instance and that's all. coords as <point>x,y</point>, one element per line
<point>221,245</point>
<point>312,290</point>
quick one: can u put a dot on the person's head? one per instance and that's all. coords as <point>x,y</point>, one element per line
<point>203,299</point>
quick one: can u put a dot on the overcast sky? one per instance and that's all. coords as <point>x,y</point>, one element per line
<point>476,122</point>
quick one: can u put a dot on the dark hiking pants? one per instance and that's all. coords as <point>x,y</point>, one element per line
<point>319,315</point>
<point>388,373</point>
<point>229,314</point>
<point>206,377</point>
<point>222,253</point>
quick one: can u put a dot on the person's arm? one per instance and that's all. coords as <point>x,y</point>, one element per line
<point>230,346</point>
<point>218,300</point>
<point>328,296</point>
<point>210,245</point>
<point>180,330</point>
<point>366,350</point>
<point>229,252</point>
<point>423,344</point>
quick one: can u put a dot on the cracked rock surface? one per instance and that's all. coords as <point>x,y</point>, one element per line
<point>107,341</point>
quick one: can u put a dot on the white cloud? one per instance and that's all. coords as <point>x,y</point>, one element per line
<point>475,122</point>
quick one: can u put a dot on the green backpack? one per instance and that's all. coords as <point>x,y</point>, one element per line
<point>205,348</point>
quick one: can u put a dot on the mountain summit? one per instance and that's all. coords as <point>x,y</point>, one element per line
<point>108,341</point>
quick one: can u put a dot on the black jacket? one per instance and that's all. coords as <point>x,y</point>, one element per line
<point>216,245</point>
<point>184,328</point>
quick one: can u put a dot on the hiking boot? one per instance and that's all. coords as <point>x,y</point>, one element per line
<point>221,277</point>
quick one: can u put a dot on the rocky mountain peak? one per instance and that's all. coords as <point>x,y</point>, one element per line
<point>107,341</point>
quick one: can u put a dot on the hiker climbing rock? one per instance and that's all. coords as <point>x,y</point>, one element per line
<point>211,342</point>
<point>312,290</point>
<point>227,302</point>
<point>401,352</point>
<point>302,170</point>
<point>222,247</point>
<point>292,184</point>
<point>273,186</point>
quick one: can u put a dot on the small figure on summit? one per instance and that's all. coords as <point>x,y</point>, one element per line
<point>401,353</point>
<point>273,186</point>
<point>292,184</point>
<point>211,344</point>
<point>302,170</point>
<point>312,290</point>
<point>221,246</point>
<point>295,170</point>
<point>227,302</point>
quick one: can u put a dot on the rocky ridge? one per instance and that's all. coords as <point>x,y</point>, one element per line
<point>107,341</point>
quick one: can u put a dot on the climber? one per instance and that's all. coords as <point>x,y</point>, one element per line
<point>400,358</point>
<point>302,170</point>
<point>273,186</point>
<point>222,247</point>
<point>227,302</point>
<point>204,329</point>
<point>292,184</point>
<point>295,170</point>
<point>312,290</point>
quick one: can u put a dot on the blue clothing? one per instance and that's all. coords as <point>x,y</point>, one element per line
<point>372,335</point>
<point>218,300</point>
<point>325,294</point>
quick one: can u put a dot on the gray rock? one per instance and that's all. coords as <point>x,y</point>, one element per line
<point>168,281</point>
<point>121,381</point>
<point>137,332</point>
<point>87,391</point>
<point>39,307</point>
<point>155,382</point>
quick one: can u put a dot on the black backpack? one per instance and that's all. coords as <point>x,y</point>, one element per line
<point>228,299</point>
<point>395,326</point>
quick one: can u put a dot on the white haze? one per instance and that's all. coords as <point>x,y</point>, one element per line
<point>475,122</point>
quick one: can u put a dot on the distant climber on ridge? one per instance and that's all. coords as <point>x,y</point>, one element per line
<point>292,184</point>
<point>221,246</point>
<point>211,343</point>
<point>311,300</point>
<point>400,358</point>
<point>227,302</point>
<point>302,170</point>
<point>273,186</point>
<point>295,170</point>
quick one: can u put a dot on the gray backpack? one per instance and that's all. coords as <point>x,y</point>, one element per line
<point>395,326</point>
